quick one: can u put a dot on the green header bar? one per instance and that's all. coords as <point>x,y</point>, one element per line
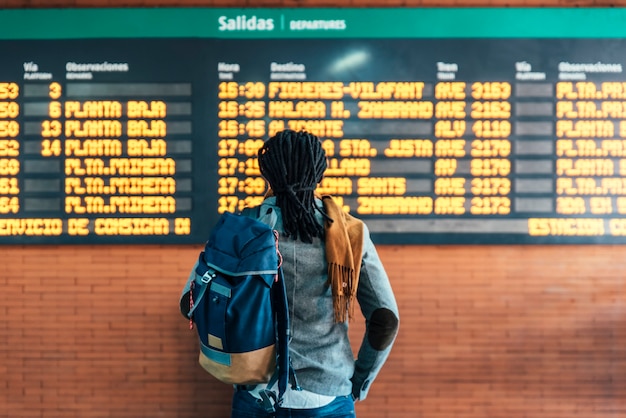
<point>256,23</point>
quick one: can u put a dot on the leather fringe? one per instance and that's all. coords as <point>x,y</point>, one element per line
<point>344,284</point>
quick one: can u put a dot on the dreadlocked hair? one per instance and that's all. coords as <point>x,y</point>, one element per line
<point>294,163</point>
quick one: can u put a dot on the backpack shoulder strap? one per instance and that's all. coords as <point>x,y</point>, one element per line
<point>285,370</point>
<point>252,212</point>
<point>263,213</point>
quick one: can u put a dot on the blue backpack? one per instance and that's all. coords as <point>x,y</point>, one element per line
<point>238,304</point>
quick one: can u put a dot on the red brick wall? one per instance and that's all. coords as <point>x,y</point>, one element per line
<point>511,331</point>
<point>486,331</point>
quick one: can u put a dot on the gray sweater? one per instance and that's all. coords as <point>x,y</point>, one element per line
<point>320,350</point>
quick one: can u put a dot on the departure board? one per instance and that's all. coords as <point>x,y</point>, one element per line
<point>442,140</point>
<point>102,141</point>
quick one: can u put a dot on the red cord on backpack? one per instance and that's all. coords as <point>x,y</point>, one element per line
<point>191,303</point>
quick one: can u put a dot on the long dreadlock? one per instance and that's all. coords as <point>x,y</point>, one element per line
<point>294,163</point>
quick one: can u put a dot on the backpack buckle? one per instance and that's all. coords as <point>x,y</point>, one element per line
<point>268,400</point>
<point>208,276</point>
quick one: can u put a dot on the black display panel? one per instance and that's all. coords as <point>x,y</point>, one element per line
<point>451,141</point>
<point>106,141</point>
